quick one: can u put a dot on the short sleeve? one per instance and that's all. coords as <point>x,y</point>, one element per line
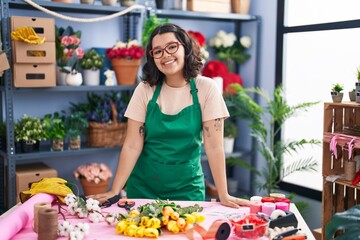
<point>136,109</point>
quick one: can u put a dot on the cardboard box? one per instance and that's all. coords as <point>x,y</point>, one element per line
<point>44,27</point>
<point>4,63</point>
<point>31,53</point>
<point>219,6</point>
<point>29,173</point>
<point>34,75</point>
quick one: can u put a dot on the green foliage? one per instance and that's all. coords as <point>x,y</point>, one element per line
<point>337,87</point>
<point>149,26</point>
<point>264,128</point>
<point>29,129</point>
<point>54,127</point>
<point>358,73</point>
<point>230,129</point>
<point>344,225</point>
<point>92,60</point>
<point>76,124</point>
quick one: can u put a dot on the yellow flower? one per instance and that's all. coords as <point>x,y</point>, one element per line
<point>190,219</point>
<point>132,221</point>
<point>174,215</point>
<point>140,232</point>
<point>154,223</point>
<point>144,221</point>
<point>187,227</point>
<point>151,232</point>
<point>165,220</point>
<point>130,230</point>
<point>180,223</point>
<point>167,210</point>
<point>121,226</point>
<point>199,217</point>
<point>134,213</point>
<point>172,227</point>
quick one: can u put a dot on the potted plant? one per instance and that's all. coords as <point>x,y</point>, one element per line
<point>230,132</point>
<point>29,132</point>
<point>55,130</point>
<point>358,74</point>
<point>76,124</point>
<point>127,3</point>
<point>91,64</point>
<point>352,95</point>
<point>336,92</point>
<point>94,177</point>
<point>125,58</point>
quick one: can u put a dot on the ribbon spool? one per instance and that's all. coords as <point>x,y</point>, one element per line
<point>37,207</point>
<point>48,221</point>
<point>219,230</point>
<point>349,169</point>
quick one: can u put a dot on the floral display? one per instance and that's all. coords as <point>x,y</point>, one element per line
<point>67,43</point>
<point>148,220</point>
<point>202,43</point>
<point>229,49</point>
<point>215,68</point>
<point>129,50</point>
<point>29,129</point>
<point>93,172</point>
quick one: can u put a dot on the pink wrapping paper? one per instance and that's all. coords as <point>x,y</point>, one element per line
<point>22,216</point>
<point>212,211</point>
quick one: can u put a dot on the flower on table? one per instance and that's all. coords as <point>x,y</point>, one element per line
<point>93,172</point>
<point>200,38</point>
<point>129,50</point>
<point>68,51</point>
<point>229,49</point>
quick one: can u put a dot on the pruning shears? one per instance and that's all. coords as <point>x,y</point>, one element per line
<point>124,203</point>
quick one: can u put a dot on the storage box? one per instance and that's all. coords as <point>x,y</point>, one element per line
<point>29,173</point>
<point>34,75</point>
<point>4,63</point>
<point>31,53</point>
<point>219,6</point>
<point>44,27</point>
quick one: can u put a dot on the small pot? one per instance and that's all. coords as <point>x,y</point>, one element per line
<point>337,97</point>
<point>74,79</point>
<point>352,96</point>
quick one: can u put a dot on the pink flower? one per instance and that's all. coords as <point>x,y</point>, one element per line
<point>93,172</point>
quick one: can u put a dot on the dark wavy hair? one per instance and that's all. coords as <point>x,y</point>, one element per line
<point>193,63</point>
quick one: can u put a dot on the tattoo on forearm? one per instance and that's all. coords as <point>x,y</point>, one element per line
<point>142,130</point>
<point>207,131</point>
<point>217,124</point>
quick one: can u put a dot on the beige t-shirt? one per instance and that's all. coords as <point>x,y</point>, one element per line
<point>172,100</point>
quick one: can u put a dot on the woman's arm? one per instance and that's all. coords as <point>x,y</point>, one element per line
<point>129,155</point>
<point>213,132</point>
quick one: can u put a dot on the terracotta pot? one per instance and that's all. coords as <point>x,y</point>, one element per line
<point>240,6</point>
<point>75,143</point>
<point>125,70</point>
<point>57,145</point>
<point>63,1</point>
<point>93,188</point>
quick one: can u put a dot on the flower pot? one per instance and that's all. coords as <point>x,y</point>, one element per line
<point>75,143</point>
<point>240,6</point>
<point>228,145</point>
<point>127,3</point>
<point>337,97</point>
<point>74,79</point>
<point>352,96</point>
<point>61,76</point>
<point>29,146</point>
<point>93,188</point>
<point>87,1</point>
<point>57,145</point>
<point>91,77</point>
<point>63,1</point>
<point>125,70</point>
<point>109,2</point>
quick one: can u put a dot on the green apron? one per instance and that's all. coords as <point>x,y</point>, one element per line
<point>169,165</point>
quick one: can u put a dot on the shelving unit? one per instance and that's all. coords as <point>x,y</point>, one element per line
<point>10,158</point>
<point>340,195</point>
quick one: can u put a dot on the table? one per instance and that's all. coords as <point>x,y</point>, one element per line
<point>212,210</point>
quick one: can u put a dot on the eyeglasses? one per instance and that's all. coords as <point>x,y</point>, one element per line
<point>170,48</point>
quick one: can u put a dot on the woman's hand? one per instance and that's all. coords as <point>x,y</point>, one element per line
<point>233,202</point>
<point>102,197</point>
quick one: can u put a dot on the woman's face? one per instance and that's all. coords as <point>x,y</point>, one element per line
<point>169,63</point>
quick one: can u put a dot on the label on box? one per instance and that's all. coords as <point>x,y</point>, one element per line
<point>4,62</point>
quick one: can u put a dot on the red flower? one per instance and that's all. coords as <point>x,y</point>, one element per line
<point>125,50</point>
<point>215,68</point>
<point>199,37</point>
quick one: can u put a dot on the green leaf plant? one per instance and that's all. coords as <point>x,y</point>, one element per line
<point>54,127</point>
<point>265,125</point>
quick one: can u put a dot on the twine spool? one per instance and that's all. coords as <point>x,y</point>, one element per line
<point>350,170</point>
<point>37,207</point>
<point>48,221</point>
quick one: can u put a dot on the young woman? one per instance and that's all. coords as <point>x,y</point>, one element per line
<point>170,114</point>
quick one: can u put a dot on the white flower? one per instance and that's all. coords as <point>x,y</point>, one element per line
<point>82,227</point>
<point>120,44</point>
<point>81,213</point>
<point>65,228</point>
<point>76,235</point>
<point>245,41</point>
<point>72,208</point>
<point>111,218</point>
<point>95,217</point>
<point>92,204</point>
<point>70,198</point>
<point>133,43</point>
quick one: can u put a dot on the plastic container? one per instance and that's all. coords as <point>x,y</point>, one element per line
<point>249,226</point>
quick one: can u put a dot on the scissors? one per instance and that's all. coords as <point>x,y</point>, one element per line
<point>110,201</point>
<point>124,203</point>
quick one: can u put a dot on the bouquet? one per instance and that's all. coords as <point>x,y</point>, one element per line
<point>93,172</point>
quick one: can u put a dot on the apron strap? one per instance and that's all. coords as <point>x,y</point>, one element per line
<point>194,91</point>
<point>156,93</point>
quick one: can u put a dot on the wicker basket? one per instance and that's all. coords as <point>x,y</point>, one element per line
<point>106,134</point>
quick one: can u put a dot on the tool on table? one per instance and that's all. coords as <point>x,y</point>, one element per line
<point>124,203</point>
<point>110,201</point>
<point>302,237</point>
<point>282,236</point>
